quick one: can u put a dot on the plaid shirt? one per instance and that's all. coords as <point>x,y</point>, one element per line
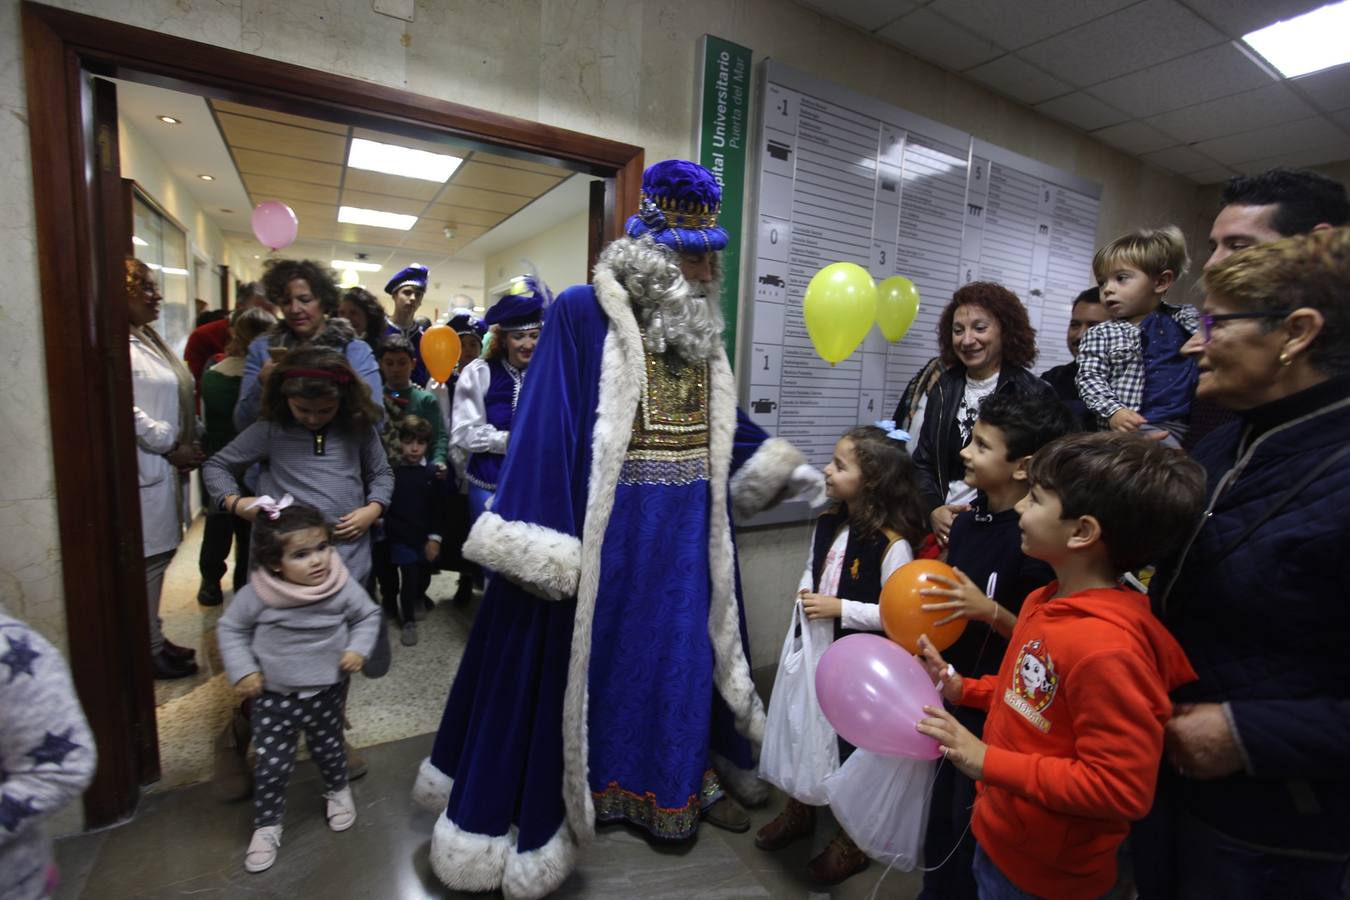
<point>1111,362</point>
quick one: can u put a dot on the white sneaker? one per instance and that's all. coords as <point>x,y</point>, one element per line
<point>262,850</point>
<point>341,809</point>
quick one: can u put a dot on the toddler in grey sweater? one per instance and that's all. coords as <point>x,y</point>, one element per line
<point>289,640</point>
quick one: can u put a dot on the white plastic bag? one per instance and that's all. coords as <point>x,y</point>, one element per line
<point>799,748</point>
<point>882,802</point>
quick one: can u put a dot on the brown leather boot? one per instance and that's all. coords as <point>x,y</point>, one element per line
<point>838,861</point>
<point>796,821</point>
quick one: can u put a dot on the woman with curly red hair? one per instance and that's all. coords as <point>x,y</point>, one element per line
<point>987,343</point>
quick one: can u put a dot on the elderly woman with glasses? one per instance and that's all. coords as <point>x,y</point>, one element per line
<point>1255,792</point>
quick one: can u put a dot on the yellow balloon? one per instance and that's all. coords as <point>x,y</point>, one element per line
<point>897,305</point>
<point>839,307</point>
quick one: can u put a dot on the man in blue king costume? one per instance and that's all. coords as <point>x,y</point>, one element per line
<point>607,677</point>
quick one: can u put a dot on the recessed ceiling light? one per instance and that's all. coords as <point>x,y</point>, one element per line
<point>1308,43</point>
<point>207,177</point>
<point>355,215</point>
<point>169,120</point>
<point>139,241</point>
<point>356,264</point>
<point>392,159</point>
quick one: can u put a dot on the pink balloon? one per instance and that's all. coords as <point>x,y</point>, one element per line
<point>274,224</point>
<point>873,692</point>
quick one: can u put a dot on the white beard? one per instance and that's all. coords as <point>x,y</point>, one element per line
<point>674,314</point>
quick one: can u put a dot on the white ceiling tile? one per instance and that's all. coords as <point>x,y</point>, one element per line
<point>868,15</point>
<point>1238,17</point>
<point>1182,160</point>
<point>1135,137</point>
<point>1082,111</point>
<point>1329,89</point>
<point>1215,175</point>
<point>1267,105</point>
<point>1020,23</point>
<point>1288,137</point>
<point>1124,41</point>
<point>935,39</point>
<point>1297,160</point>
<point>1019,80</point>
<point>1205,75</point>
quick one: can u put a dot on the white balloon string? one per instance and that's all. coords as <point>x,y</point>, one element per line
<point>942,762</point>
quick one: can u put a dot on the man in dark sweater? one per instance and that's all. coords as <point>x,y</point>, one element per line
<point>995,576</point>
<point>1087,311</point>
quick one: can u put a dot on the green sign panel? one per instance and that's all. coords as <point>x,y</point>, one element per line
<point>722,126</point>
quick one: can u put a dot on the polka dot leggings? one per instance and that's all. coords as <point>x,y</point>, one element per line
<point>278,720</point>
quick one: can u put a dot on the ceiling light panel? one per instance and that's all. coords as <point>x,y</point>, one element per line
<point>1307,43</point>
<point>392,159</point>
<point>355,215</point>
<point>356,264</point>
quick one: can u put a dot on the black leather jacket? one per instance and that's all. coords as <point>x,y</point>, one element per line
<point>937,455</point>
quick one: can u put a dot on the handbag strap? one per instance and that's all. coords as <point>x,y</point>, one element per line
<point>1283,500</point>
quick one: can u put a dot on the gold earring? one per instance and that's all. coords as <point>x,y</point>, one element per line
<point>1285,358</point>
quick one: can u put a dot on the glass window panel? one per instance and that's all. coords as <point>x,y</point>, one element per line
<point>162,245</point>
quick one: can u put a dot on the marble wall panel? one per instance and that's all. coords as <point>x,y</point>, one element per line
<point>483,55</point>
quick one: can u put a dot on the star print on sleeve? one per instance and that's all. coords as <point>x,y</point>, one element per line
<point>19,657</point>
<point>54,748</point>
<point>13,811</point>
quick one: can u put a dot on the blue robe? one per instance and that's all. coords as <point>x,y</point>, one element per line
<point>607,670</point>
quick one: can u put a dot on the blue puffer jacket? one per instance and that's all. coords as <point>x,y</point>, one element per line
<point>1265,623</point>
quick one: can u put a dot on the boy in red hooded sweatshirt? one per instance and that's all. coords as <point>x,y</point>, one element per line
<point>1076,712</point>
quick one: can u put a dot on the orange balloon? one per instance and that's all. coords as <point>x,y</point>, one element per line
<point>440,352</point>
<point>901,616</point>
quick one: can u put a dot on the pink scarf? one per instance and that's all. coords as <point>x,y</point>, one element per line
<point>281,594</point>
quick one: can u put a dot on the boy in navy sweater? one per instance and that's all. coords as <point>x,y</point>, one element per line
<point>409,521</point>
<point>994,576</point>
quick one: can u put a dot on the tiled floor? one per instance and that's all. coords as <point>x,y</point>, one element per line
<point>189,836</point>
<point>190,843</point>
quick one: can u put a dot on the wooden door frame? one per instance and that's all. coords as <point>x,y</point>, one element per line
<point>85,331</point>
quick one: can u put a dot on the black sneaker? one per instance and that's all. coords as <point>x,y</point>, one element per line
<point>210,594</point>
<point>377,664</point>
<point>168,667</point>
<point>463,592</point>
<point>171,649</point>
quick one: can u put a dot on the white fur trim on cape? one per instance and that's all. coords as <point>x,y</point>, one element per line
<point>731,668</point>
<point>431,790</point>
<point>759,482</point>
<point>538,873</point>
<point>466,861</point>
<point>543,561</point>
<point>624,368</point>
<point>744,784</point>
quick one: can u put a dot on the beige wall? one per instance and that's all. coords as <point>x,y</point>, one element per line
<point>558,255</point>
<point>618,69</point>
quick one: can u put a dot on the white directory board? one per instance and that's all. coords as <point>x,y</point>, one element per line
<point>848,178</point>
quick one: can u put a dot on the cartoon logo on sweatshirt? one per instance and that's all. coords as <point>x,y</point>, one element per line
<point>1033,685</point>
